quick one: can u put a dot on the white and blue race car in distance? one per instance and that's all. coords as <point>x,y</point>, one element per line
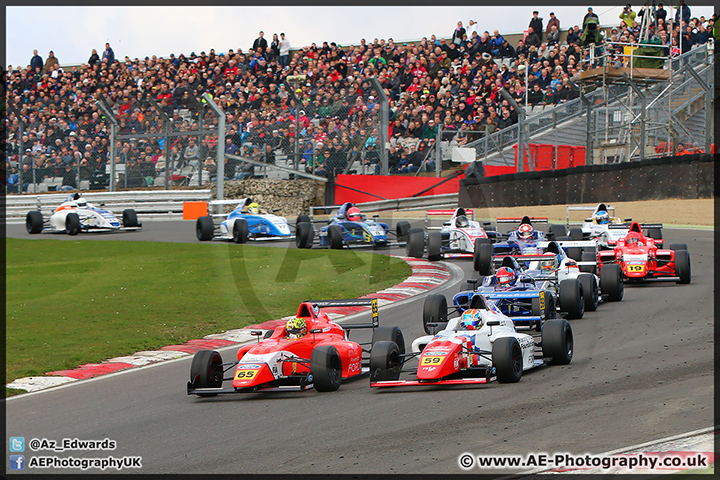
<point>77,215</point>
<point>246,222</point>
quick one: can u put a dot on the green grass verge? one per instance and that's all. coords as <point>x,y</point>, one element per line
<point>75,302</point>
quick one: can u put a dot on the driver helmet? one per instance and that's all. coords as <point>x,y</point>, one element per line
<point>82,203</point>
<point>353,214</point>
<point>602,217</point>
<point>254,208</point>
<point>505,276</point>
<point>462,221</point>
<point>525,231</point>
<point>632,239</point>
<point>296,328</point>
<point>471,320</point>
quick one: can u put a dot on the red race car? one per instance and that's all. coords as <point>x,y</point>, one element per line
<point>308,351</point>
<point>639,257</point>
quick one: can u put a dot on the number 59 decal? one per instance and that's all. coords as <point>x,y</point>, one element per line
<point>431,360</point>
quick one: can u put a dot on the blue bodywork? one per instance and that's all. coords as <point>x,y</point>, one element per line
<point>514,245</point>
<point>366,231</point>
<point>107,215</point>
<point>259,225</point>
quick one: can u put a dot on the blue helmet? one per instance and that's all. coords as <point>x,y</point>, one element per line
<point>602,217</point>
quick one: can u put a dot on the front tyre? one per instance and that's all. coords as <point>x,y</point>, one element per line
<point>415,245</point>
<point>390,334</point>
<point>34,222</point>
<point>590,291</point>
<point>611,282</point>
<point>240,231</point>
<point>384,361</point>
<point>304,235</point>
<point>434,246</point>
<point>204,228</point>
<point>434,311</point>
<point>72,223</point>
<point>557,341</point>
<point>507,359</point>
<point>326,368</point>
<point>572,301</point>
<point>682,266</point>
<point>130,218</point>
<point>206,371</point>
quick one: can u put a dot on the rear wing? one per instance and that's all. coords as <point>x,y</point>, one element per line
<point>610,210</point>
<point>356,302</point>
<point>570,243</point>
<point>627,225</point>
<point>519,219</point>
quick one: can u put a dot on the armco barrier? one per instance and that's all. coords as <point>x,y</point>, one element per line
<point>151,203</point>
<point>687,176</point>
<point>388,187</point>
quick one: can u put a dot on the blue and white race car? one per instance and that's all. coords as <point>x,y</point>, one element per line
<point>246,222</point>
<point>77,215</point>
<point>348,227</point>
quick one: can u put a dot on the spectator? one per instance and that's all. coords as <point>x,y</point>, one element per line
<point>284,50</point>
<point>472,29</point>
<point>573,35</point>
<point>536,23</point>
<point>36,61</point>
<point>50,62</point>
<point>94,58</point>
<point>553,21</point>
<point>12,181</point>
<point>192,153</point>
<point>685,13</point>
<point>588,15</point>
<point>458,34</point>
<point>274,51</point>
<point>69,179</point>
<point>532,39</point>
<point>627,16</point>
<point>260,45</point>
<point>553,35</point>
<point>108,55</point>
<point>660,13</point>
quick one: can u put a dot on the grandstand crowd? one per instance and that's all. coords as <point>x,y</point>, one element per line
<point>450,83</point>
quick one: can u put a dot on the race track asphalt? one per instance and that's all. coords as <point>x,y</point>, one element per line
<point>642,370</point>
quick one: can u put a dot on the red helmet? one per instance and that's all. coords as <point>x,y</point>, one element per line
<point>353,214</point>
<point>632,238</point>
<point>505,276</point>
<point>525,231</point>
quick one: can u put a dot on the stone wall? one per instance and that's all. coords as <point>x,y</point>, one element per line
<point>291,197</point>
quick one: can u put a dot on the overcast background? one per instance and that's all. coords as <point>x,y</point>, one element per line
<point>72,32</point>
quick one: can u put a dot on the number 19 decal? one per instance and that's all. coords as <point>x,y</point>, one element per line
<point>636,268</point>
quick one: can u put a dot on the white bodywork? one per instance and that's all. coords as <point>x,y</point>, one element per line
<point>483,338</point>
<point>91,217</point>
<point>461,239</point>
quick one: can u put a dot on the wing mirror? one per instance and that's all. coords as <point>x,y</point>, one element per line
<point>527,280</point>
<point>628,219</point>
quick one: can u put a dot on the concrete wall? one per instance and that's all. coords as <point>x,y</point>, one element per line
<point>687,176</point>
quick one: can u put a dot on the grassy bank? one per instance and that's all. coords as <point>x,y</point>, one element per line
<point>70,303</point>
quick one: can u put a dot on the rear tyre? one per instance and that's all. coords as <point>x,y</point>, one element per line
<point>384,361</point>
<point>206,371</point>
<point>335,240</point>
<point>682,266</point>
<point>590,291</point>
<point>576,233</point>
<point>611,282</point>
<point>240,231</point>
<point>434,311</point>
<point>34,222</point>
<point>326,368</point>
<point>482,258</point>
<point>588,257</point>
<point>507,359</point>
<point>557,341</point>
<point>654,233</point>
<point>673,246</point>
<point>72,223</point>
<point>204,228</point>
<point>304,235</point>
<point>401,230</point>
<point>415,245</point>
<point>130,218</point>
<point>574,252</point>
<point>571,298</point>
<point>556,231</point>
<point>302,219</point>
<point>389,334</point>
<point>434,246</point>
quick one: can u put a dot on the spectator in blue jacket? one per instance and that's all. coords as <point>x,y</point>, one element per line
<point>108,54</point>
<point>36,61</point>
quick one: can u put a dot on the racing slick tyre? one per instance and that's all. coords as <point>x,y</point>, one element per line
<point>588,257</point>
<point>415,245</point>
<point>304,235</point>
<point>482,258</point>
<point>335,240</point>
<point>507,359</point>
<point>434,246</point>
<point>590,291</point>
<point>401,230</point>
<point>384,361</point>
<point>206,371</point>
<point>557,341</point>
<point>204,228</point>
<point>556,231</point>
<point>572,300</point>
<point>302,219</point>
<point>682,266</point>
<point>576,233</point>
<point>130,218</point>
<point>654,233</point>
<point>611,282</point>
<point>574,252</point>
<point>326,368</point>
<point>34,222</point>
<point>72,223</point>
<point>240,231</point>
<point>673,246</point>
<point>434,311</point>
<point>390,334</point>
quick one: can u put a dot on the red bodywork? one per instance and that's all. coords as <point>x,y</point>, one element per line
<point>642,259</point>
<point>255,372</point>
